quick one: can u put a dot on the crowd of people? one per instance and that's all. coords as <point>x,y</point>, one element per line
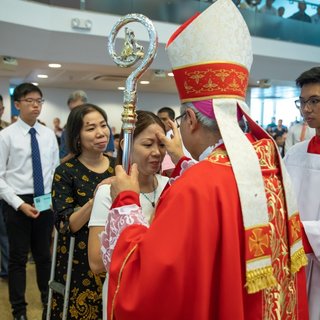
<point>270,8</point>
<point>285,138</point>
<point>180,232</point>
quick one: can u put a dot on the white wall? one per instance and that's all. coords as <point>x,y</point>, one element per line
<point>56,104</point>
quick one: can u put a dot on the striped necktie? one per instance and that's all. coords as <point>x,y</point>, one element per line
<point>36,165</point>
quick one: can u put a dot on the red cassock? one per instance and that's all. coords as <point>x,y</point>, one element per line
<point>190,263</point>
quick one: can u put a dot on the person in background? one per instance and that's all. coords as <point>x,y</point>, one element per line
<point>148,153</point>
<point>166,115</point>
<point>280,129</point>
<point>3,124</point>
<point>303,164</point>
<point>272,125</point>
<point>268,8</point>
<point>281,11</point>
<point>14,119</point>
<point>76,99</point>
<point>57,129</point>
<point>116,138</point>
<point>316,17</point>
<point>280,142</point>
<point>301,14</point>
<point>4,244</point>
<point>73,187</point>
<point>251,5</point>
<point>298,132</point>
<point>27,227</point>
<point>225,241</point>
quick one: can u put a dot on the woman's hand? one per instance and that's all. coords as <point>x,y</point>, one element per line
<point>104,181</point>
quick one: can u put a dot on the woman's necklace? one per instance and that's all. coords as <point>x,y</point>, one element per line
<point>153,203</point>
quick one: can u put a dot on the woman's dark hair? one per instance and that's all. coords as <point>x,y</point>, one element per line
<point>309,76</point>
<point>23,89</point>
<point>144,120</point>
<point>75,124</point>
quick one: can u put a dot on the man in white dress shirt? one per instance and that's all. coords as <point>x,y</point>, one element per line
<point>303,164</point>
<point>27,227</point>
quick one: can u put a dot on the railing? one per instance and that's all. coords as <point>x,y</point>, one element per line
<point>178,11</point>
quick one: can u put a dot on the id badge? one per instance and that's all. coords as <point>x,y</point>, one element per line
<point>43,202</point>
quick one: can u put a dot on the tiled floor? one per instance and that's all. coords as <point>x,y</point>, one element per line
<point>32,297</point>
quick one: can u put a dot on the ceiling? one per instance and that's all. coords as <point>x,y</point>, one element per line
<point>86,64</point>
<point>84,76</point>
<point>108,77</point>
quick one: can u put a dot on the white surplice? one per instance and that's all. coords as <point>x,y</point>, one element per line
<point>304,170</point>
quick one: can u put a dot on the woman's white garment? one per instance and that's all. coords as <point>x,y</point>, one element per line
<point>304,170</point>
<point>101,205</point>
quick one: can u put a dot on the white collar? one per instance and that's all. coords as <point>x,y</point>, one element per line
<point>208,151</point>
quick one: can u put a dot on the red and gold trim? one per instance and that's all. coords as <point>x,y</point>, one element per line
<point>211,80</point>
<point>295,228</point>
<point>258,239</point>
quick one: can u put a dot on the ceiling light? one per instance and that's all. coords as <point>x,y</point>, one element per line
<point>121,88</point>
<point>35,83</point>
<point>54,65</point>
<point>144,82</point>
<point>170,74</point>
<point>42,76</point>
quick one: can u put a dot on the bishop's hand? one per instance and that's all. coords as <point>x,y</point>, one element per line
<point>173,145</point>
<point>125,182</point>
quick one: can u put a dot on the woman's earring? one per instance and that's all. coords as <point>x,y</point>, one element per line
<point>79,146</point>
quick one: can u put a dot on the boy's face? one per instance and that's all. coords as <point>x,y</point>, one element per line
<point>30,107</point>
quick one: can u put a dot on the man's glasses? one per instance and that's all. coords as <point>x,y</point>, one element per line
<point>178,119</point>
<point>312,102</point>
<point>31,101</point>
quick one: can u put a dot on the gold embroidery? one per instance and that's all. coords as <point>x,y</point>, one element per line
<point>63,249</point>
<point>264,148</point>
<point>85,178</point>
<point>82,194</point>
<point>257,241</point>
<point>210,85</point>
<point>197,76</point>
<point>280,301</point>
<point>81,245</point>
<point>57,177</point>
<point>203,81</point>
<point>234,86</point>
<point>295,227</point>
<point>86,282</point>
<point>110,169</point>
<point>83,304</point>
<point>69,165</point>
<point>69,200</point>
<point>119,278</point>
<point>222,74</point>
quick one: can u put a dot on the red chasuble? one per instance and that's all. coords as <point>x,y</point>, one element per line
<point>314,145</point>
<point>190,263</point>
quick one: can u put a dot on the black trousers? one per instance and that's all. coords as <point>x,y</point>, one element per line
<point>26,233</point>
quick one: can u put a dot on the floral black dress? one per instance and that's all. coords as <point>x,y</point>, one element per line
<point>73,186</point>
